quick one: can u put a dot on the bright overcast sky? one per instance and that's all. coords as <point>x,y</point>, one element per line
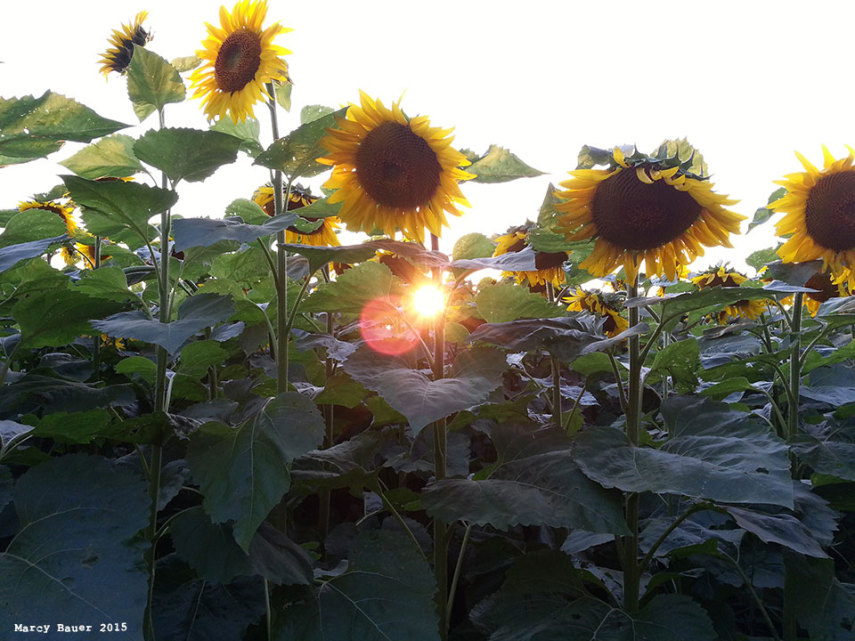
<point>747,82</point>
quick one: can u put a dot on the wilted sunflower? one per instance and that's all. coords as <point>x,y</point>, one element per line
<point>549,264</point>
<point>65,212</point>
<point>601,304</point>
<point>240,58</point>
<point>393,172</point>
<point>118,56</point>
<point>723,277</point>
<point>323,235</point>
<point>820,213</point>
<point>644,208</point>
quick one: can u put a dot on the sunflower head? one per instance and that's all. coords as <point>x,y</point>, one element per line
<point>393,172</point>
<point>118,55</point>
<point>601,304</point>
<point>659,209</point>
<point>319,232</point>
<point>819,208</point>
<point>239,58</point>
<point>550,265</point>
<point>719,277</point>
<point>828,286</point>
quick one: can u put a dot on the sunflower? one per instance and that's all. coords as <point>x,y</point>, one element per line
<point>323,235</point>
<point>644,208</point>
<point>600,304</point>
<point>819,209</point>
<point>65,212</point>
<point>240,58</point>
<point>723,277</point>
<point>549,264</point>
<point>118,56</point>
<point>393,172</point>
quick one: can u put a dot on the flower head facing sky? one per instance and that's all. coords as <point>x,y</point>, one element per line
<point>239,59</point>
<point>392,172</point>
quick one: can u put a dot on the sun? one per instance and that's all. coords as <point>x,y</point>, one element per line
<point>392,172</point>
<point>239,58</point>
<point>428,301</point>
<point>644,209</point>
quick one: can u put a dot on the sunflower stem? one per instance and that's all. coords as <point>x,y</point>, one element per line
<point>795,367</point>
<point>556,371</point>
<point>324,496</point>
<point>631,567</point>
<point>441,529</point>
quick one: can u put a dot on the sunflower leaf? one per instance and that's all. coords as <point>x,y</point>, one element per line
<point>33,128</point>
<point>475,374</point>
<point>350,292</point>
<point>283,93</point>
<point>187,154</point>
<point>473,245</point>
<point>114,206</point>
<point>80,516</point>
<point>32,225</point>
<point>111,156</point>
<point>152,83</point>
<point>508,302</point>
<point>296,154</point>
<point>195,314</point>
<point>243,472</point>
<point>186,63</point>
<point>499,165</point>
<point>712,452</point>
<point>247,131</point>
<point>11,255</point>
<point>204,232</point>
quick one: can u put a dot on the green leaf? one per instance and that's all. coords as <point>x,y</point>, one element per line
<point>713,452</point>
<point>186,63</point>
<point>829,448</point>
<point>37,394</point>
<point>475,374</point>
<point>191,609</point>
<point>504,302</point>
<point>204,232</point>
<point>57,317</point>
<point>198,356</point>
<point>499,165</point>
<point>111,156</point>
<point>140,366</point>
<point>247,210</point>
<point>33,128</point>
<point>211,550</point>
<point>764,213</point>
<point>544,489</point>
<point>762,257</point>
<point>77,548</point>
<point>387,592</point>
<point>473,245</point>
<point>680,360</point>
<point>152,83</point>
<point>824,605</point>
<point>795,274</point>
<point>702,301</point>
<point>33,224</point>
<point>247,131</point>
<point>114,206</point>
<point>106,283</point>
<point>243,472</point>
<point>11,255</point>
<point>195,314</point>
<point>187,154</point>
<point>542,599</point>
<point>590,157</point>
<point>310,113</point>
<point>351,291</point>
<point>282,90</point>
<point>295,154</point>
<point>781,528</point>
<point>79,427</point>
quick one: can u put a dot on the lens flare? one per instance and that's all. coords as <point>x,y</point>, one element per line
<point>384,328</point>
<point>428,300</point>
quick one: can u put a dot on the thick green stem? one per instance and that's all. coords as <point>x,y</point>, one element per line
<point>631,568</point>
<point>324,495</point>
<point>458,568</point>
<point>795,367</point>
<point>556,371</point>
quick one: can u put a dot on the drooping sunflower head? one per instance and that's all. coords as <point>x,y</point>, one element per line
<point>659,209</point>
<point>550,265</point>
<point>118,55</point>
<point>239,58</point>
<point>319,232</point>
<point>65,212</point>
<point>819,209</point>
<point>828,286</point>
<point>393,172</point>
<point>719,277</point>
<point>601,304</point>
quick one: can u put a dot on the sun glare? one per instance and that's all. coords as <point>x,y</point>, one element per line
<point>428,300</point>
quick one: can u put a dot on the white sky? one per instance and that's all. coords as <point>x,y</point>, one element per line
<point>747,82</point>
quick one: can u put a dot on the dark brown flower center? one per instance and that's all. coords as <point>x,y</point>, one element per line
<point>830,211</point>
<point>120,57</point>
<point>238,60</point>
<point>397,167</point>
<point>631,214</point>
<point>822,282</point>
<point>545,260</point>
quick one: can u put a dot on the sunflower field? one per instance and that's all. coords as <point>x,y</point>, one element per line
<point>243,428</point>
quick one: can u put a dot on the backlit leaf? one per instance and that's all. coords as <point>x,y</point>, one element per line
<point>152,82</point>
<point>187,154</point>
<point>111,156</point>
